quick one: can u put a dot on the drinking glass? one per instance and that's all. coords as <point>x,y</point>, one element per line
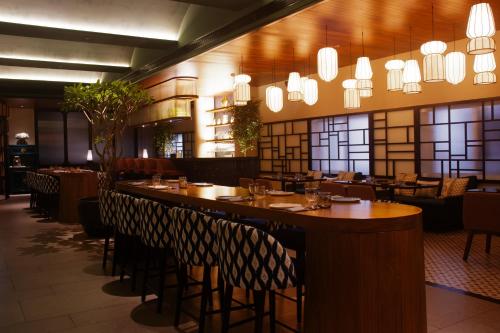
<point>312,197</point>
<point>259,191</point>
<point>251,189</point>
<point>156,180</point>
<point>324,199</point>
<point>183,183</point>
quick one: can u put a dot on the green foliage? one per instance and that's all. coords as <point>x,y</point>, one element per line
<point>163,137</point>
<point>107,106</point>
<point>246,125</point>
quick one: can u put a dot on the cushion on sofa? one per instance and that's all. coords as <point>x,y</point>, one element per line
<point>430,192</point>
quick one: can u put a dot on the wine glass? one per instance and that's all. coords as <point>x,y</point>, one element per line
<point>312,197</point>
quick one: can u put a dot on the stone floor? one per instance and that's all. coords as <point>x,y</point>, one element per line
<point>51,281</point>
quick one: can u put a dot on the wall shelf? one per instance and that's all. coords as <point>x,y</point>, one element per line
<point>220,125</point>
<point>220,140</point>
<point>223,109</point>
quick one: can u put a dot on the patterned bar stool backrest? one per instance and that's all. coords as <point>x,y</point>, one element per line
<point>156,225</point>
<point>107,208</point>
<point>195,237</point>
<point>28,180</point>
<point>128,213</point>
<point>252,259</point>
<point>49,184</point>
<point>102,180</point>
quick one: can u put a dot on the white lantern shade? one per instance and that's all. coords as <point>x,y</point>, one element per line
<point>274,98</point>
<point>480,29</point>
<point>89,155</point>
<point>242,78</point>
<point>411,72</point>
<point>455,67</point>
<point>303,84</point>
<point>240,103</point>
<point>241,92</point>
<point>145,153</point>
<point>395,74</point>
<point>394,64</point>
<point>433,47</point>
<point>363,69</point>
<point>293,82</point>
<point>412,88</point>
<point>294,96</point>
<point>484,63</point>
<point>349,84</point>
<point>328,64</point>
<point>352,99</point>
<point>310,92</point>
<point>485,78</point>
<point>365,88</point>
<point>434,68</point>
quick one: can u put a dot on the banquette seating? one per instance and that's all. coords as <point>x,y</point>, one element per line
<point>132,168</point>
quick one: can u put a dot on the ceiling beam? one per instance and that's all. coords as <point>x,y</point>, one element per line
<point>62,65</point>
<point>16,29</point>
<point>223,4</point>
<point>31,89</point>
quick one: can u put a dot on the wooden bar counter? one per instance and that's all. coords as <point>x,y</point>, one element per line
<point>365,266</point>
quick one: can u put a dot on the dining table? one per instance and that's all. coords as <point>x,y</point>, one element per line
<point>284,180</point>
<point>364,260</point>
<point>74,184</point>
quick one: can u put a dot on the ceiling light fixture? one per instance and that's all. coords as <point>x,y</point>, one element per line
<point>411,74</point>
<point>484,65</point>
<point>395,72</point>
<point>481,29</point>
<point>455,64</point>
<point>53,75</point>
<point>241,89</point>
<point>351,93</point>
<point>293,85</point>
<point>310,90</point>
<point>274,94</point>
<point>364,73</point>
<point>433,64</point>
<point>328,63</point>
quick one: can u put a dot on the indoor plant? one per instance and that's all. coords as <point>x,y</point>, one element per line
<point>163,138</point>
<point>246,126</point>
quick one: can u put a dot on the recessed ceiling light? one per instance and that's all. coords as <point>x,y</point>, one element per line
<point>41,74</point>
<point>61,60</point>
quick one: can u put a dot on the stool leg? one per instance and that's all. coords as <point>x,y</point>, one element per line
<point>272,311</point>
<point>259,298</point>
<point>468,245</point>
<point>146,275</point>
<point>220,286</point>
<point>105,255</point>
<point>226,310</point>
<point>181,277</point>
<point>116,253</point>
<point>299,301</point>
<point>205,297</point>
<point>161,287</point>
<point>488,243</point>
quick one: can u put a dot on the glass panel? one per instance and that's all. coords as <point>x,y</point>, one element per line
<point>441,114</point>
<point>493,170</point>
<point>78,138</point>
<point>426,116</point>
<point>50,138</point>
<point>466,112</point>
<point>434,133</point>
<point>400,118</point>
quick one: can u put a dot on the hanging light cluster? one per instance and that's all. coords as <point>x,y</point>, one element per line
<point>395,72</point>
<point>352,96</point>
<point>328,61</point>
<point>455,64</point>
<point>433,57</point>
<point>364,73</point>
<point>241,88</point>
<point>411,74</point>
<point>274,94</point>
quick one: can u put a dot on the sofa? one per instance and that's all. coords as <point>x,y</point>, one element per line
<point>138,168</point>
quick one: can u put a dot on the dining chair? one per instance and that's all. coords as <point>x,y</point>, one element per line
<point>333,188</point>
<point>480,216</point>
<point>48,192</point>
<point>364,192</point>
<point>264,182</point>
<point>30,180</point>
<point>245,182</point>
<point>107,212</point>
<point>252,259</point>
<point>195,239</point>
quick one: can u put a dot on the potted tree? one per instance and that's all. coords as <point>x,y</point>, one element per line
<point>107,106</point>
<point>163,138</point>
<point>246,126</point>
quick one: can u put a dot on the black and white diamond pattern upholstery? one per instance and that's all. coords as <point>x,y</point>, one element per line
<point>48,184</point>
<point>195,236</point>
<point>156,226</point>
<point>102,180</point>
<point>107,208</point>
<point>250,258</point>
<point>29,179</point>
<point>128,213</point>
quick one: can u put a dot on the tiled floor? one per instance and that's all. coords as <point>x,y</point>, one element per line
<point>51,281</point>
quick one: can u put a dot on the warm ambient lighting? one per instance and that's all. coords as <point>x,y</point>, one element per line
<point>241,89</point>
<point>293,82</point>
<point>480,29</point>
<point>310,92</point>
<point>89,155</point>
<point>455,67</point>
<point>274,98</point>
<point>42,74</point>
<point>328,65</point>
<point>411,77</point>
<point>433,61</point>
<point>61,60</point>
<point>363,76</point>
<point>145,153</point>
<point>351,94</point>
<point>395,74</point>
<point>484,65</point>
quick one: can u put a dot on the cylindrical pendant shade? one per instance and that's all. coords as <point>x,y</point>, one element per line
<point>455,67</point>
<point>303,80</point>
<point>484,63</point>
<point>274,98</point>
<point>242,78</point>
<point>365,88</point>
<point>411,72</point>
<point>485,78</point>
<point>310,92</point>
<point>328,64</point>
<point>363,69</point>
<point>433,66</point>
<point>240,103</point>
<point>351,94</point>
<point>412,88</point>
<point>480,29</point>
<point>294,96</point>
<point>395,74</point>
<point>293,82</point>
<point>241,92</point>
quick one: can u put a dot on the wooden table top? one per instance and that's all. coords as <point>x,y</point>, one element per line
<point>365,216</point>
<point>59,172</point>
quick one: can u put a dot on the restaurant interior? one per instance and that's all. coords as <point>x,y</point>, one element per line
<point>249,166</point>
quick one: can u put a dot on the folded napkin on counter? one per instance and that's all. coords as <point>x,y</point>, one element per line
<point>297,209</point>
<point>238,198</point>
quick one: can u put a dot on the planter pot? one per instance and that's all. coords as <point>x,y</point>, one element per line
<point>88,212</point>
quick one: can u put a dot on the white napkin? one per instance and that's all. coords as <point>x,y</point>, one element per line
<point>297,209</point>
<point>236,199</point>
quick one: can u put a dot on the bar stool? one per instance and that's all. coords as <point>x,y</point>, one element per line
<point>157,238</point>
<point>48,188</point>
<point>30,183</point>
<point>250,258</point>
<point>195,238</point>
<point>107,212</point>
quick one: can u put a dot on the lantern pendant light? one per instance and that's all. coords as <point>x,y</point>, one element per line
<point>294,81</point>
<point>411,74</point>
<point>274,95</point>
<point>484,65</point>
<point>364,73</point>
<point>455,64</point>
<point>241,89</point>
<point>434,68</point>
<point>351,92</point>
<point>328,62</point>
<point>310,88</point>
<point>481,29</point>
<point>395,72</point>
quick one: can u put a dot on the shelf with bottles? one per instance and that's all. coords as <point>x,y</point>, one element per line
<point>221,140</point>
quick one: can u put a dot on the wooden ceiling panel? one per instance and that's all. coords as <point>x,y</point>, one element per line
<point>380,20</point>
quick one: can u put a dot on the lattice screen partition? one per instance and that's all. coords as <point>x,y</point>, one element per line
<point>394,142</point>
<point>283,147</point>
<point>341,143</point>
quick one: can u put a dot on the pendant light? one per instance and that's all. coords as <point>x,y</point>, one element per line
<point>241,89</point>
<point>351,93</point>
<point>455,64</point>
<point>364,73</point>
<point>310,90</point>
<point>484,65</point>
<point>411,74</point>
<point>395,72</point>
<point>481,29</point>
<point>328,62</point>
<point>433,65</point>
<point>274,94</point>
<point>294,78</point>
